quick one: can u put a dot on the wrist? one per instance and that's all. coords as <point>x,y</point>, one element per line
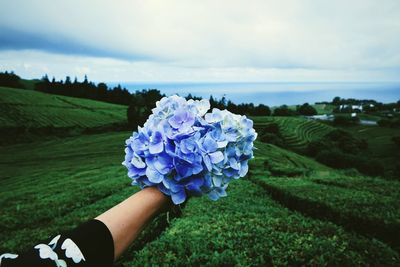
<point>155,200</point>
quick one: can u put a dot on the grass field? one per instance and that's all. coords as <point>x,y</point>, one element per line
<point>320,108</point>
<point>51,186</point>
<point>296,131</point>
<point>31,109</point>
<point>380,144</point>
<point>289,210</point>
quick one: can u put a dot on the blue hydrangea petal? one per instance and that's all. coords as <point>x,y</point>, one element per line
<point>221,191</point>
<point>138,162</point>
<point>153,175</point>
<point>217,180</point>
<point>172,185</point>
<point>155,148</point>
<point>178,197</point>
<point>207,162</point>
<point>163,164</point>
<point>216,157</point>
<point>194,185</point>
<point>197,168</point>
<point>209,144</point>
<point>183,168</point>
<point>229,172</point>
<point>234,164</point>
<point>244,168</point>
<point>163,189</point>
<point>213,195</point>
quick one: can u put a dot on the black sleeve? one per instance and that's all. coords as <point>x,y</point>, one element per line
<point>90,244</point>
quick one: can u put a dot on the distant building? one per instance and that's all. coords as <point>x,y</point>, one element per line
<point>352,107</point>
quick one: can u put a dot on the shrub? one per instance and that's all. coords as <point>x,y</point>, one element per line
<point>366,205</point>
<point>392,123</point>
<point>396,140</point>
<point>9,79</point>
<point>334,159</point>
<point>283,111</point>
<point>271,134</point>
<point>337,139</point>
<point>346,121</point>
<point>340,160</point>
<point>306,110</point>
<point>141,105</point>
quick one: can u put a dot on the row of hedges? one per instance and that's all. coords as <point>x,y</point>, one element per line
<point>249,229</point>
<point>341,150</point>
<point>11,135</point>
<point>371,210</point>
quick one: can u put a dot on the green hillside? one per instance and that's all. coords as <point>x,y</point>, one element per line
<point>380,144</point>
<point>289,209</point>
<point>27,113</point>
<point>70,180</point>
<point>26,108</point>
<point>29,84</point>
<point>320,108</point>
<point>276,161</point>
<point>296,131</point>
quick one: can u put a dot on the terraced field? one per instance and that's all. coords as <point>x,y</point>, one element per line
<point>30,109</point>
<point>51,186</point>
<point>289,210</point>
<point>320,108</point>
<point>296,131</point>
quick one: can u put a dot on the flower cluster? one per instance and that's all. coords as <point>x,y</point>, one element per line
<point>185,151</point>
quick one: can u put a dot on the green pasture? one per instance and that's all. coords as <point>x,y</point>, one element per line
<point>52,186</point>
<point>380,144</point>
<point>296,131</point>
<point>32,109</point>
<point>289,209</point>
<point>320,108</point>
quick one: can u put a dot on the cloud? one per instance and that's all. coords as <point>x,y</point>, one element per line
<point>33,64</point>
<point>11,39</point>
<point>340,37</point>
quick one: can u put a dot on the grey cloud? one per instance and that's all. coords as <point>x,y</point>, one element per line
<point>13,39</point>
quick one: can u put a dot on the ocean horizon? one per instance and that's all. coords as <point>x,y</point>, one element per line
<point>276,93</point>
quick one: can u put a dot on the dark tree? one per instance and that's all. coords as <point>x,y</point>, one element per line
<point>142,102</point>
<point>9,79</point>
<point>283,111</point>
<point>306,110</point>
<point>262,110</point>
<point>396,140</point>
<point>336,100</point>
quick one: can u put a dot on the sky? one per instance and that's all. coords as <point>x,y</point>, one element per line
<point>202,41</point>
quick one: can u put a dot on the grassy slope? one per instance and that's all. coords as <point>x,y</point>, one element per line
<point>320,108</point>
<point>380,144</point>
<point>52,181</point>
<point>68,181</point>
<point>31,109</point>
<point>296,131</point>
<point>29,84</point>
<point>248,228</point>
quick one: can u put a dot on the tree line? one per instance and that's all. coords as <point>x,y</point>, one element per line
<point>140,102</point>
<point>84,89</point>
<point>10,79</point>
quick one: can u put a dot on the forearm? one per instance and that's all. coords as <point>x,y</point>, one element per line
<point>126,220</point>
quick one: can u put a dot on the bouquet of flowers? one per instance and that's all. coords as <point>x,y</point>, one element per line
<point>185,151</point>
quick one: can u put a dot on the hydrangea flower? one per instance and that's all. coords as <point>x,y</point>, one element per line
<point>185,151</point>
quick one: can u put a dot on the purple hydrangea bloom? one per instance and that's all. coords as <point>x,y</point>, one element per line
<point>185,151</point>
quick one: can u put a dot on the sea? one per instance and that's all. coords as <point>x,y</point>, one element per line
<point>278,93</point>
